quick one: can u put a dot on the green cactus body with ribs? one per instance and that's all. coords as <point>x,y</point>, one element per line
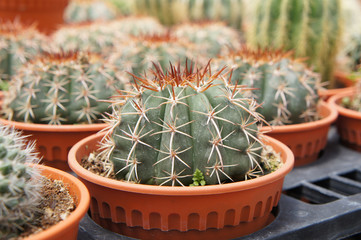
<point>312,28</point>
<point>181,121</point>
<point>61,89</point>
<point>20,187</point>
<point>88,10</point>
<point>18,44</point>
<point>287,89</point>
<point>172,12</point>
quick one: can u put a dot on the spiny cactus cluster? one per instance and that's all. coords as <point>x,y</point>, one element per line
<point>312,28</point>
<point>138,55</point>
<point>20,185</point>
<point>287,89</point>
<point>353,102</point>
<point>352,53</point>
<point>211,38</point>
<point>181,120</point>
<point>88,11</point>
<point>18,44</point>
<point>179,11</point>
<point>61,88</point>
<point>100,37</point>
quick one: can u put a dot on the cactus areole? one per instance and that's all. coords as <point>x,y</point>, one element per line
<point>180,121</point>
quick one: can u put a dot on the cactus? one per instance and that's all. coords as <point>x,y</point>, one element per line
<point>287,89</point>
<point>88,11</point>
<point>211,38</point>
<point>171,12</point>
<point>352,54</point>
<point>137,55</point>
<point>181,120</point>
<point>312,28</point>
<point>61,88</point>
<point>353,102</point>
<point>20,185</point>
<point>18,44</point>
<point>100,37</point>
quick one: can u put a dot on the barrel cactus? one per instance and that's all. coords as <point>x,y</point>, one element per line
<point>172,12</point>
<point>182,120</point>
<point>287,89</point>
<point>20,188</point>
<point>18,44</point>
<point>353,102</point>
<point>61,88</point>
<point>101,37</point>
<point>312,28</point>
<point>88,11</point>
<point>211,38</point>
<point>137,55</point>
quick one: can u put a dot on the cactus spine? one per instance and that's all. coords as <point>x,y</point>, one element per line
<point>18,44</point>
<point>286,88</point>
<point>61,89</point>
<point>312,28</point>
<point>20,188</point>
<point>182,120</point>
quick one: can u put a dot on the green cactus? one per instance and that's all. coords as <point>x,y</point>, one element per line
<point>353,102</point>
<point>18,44</point>
<point>172,12</point>
<point>352,54</point>
<point>312,28</point>
<point>88,11</point>
<point>62,88</point>
<point>211,38</point>
<point>137,56</point>
<point>100,37</point>
<point>182,120</point>
<point>287,89</point>
<point>20,185</point>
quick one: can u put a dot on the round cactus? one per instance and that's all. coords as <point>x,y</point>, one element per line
<point>211,38</point>
<point>182,120</point>
<point>18,44</point>
<point>287,89</point>
<point>100,37</point>
<point>61,88</point>
<point>88,10</point>
<point>138,55</point>
<point>20,185</point>
<point>312,28</point>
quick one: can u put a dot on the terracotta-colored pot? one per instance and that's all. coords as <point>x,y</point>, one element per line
<point>162,212</point>
<point>54,141</point>
<point>68,228</point>
<point>46,14</point>
<point>306,140</point>
<point>348,122</point>
<point>342,78</point>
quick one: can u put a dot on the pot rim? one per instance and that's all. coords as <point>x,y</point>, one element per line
<point>334,101</point>
<point>287,166</point>
<point>301,127</point>
<point>79,212</point>
<point>55,128</point>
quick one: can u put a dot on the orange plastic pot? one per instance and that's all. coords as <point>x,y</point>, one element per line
<point>162,212</point>
<point>68,228</point>
<point>306,140</point>
<point>46,14</point>
<point>348,122</point>
<point>54,141</point>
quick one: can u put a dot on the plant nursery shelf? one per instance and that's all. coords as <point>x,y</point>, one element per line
<point>321,200</point>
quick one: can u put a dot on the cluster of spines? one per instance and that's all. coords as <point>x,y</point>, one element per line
<point>177,82</point>
<point>20,185</point>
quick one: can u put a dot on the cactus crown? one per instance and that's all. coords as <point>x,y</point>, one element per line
<point>20,188</point>
<point>181,120</point>
<point>287,89</point>
<point>61,88</point>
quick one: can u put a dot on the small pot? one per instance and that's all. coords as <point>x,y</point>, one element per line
<point>54,141</point>
<point>306,140</point>
<point>46,14</point>
<point>68,228</point>
<point>161,212</point>
<point>348,122</point>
